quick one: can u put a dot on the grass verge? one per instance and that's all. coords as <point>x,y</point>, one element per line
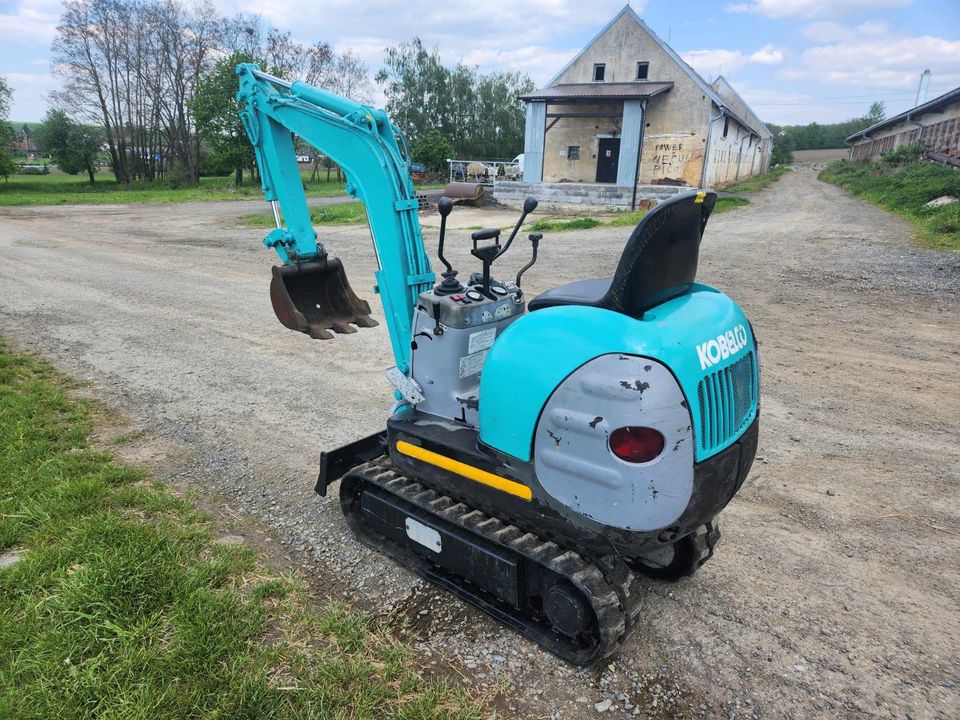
<point>61,189</point>
<point>624,219</point>
<point>122,604</point>
<point>758,182</point>
<point>345,214</point>
<point>905,191</point>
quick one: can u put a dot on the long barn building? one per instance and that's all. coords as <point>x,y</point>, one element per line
<point>935,123</point>
<point>627,121</point>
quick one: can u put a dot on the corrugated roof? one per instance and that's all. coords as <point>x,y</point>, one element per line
<point>924,107</point>
<point>599,91</point>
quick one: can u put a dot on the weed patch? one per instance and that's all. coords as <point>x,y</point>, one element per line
<point>345,214</point>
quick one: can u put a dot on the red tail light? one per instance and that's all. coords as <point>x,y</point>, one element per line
<point>636,444</point>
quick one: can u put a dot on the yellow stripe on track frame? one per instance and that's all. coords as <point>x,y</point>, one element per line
<point>468,471</point>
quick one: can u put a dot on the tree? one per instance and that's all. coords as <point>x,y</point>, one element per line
<point>481,115</point>
<point>877,113</point>
<point>815,136</point>
<point>132,67</point>
<point>215,109</point>
<point>7,165</point>
<point>433,150</point>
<point>74,147</point>
<point>783,145</point>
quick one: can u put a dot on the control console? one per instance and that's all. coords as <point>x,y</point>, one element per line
<point>455,325</point>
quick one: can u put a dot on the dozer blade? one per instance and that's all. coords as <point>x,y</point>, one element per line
<point>314,297</point>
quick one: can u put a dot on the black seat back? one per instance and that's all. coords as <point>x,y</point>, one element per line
<point>659,261</point>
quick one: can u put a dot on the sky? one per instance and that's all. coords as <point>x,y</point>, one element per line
<point>794,61</point>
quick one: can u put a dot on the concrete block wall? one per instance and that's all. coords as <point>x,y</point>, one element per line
<point>581,195</point>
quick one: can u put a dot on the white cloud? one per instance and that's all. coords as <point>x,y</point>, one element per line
<point>31,19</point>
<point>813,8</point>
<point>711,63</point>
<point>767,55</point>
<point>30,92</point>
<point>880,63</point>
<point>825,31</point>
<point>873,27</point>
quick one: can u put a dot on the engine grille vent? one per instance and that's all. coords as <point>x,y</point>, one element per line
<point>727,398</point>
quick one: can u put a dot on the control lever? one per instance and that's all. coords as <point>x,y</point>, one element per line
<point>486,254</point>
<point>529,205</point>
<point>535,239</point>
<point>450,285</point>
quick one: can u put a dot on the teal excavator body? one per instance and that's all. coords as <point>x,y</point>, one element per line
<point>543,455</point>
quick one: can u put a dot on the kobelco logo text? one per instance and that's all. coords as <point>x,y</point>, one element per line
<point>723,346</point>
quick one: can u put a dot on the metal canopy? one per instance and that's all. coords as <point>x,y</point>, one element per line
<point>597,92</point>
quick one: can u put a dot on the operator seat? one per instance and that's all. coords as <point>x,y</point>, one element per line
<point>659,261</point>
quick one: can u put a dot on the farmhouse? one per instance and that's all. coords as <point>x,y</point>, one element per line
<point>628,120</point>
<point>935,123</point>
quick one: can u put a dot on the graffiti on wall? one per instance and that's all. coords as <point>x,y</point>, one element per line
<point>674,159</point>
<point>670,157</point>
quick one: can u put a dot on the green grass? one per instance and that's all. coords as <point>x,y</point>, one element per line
<point>61,189</point>
<point>581,223</point>
<point>345,214</point>
<point>628,219</point>
<point>725,204</point>
<point>905,191</point>
<point>123,607</point>
<point>758,182</point>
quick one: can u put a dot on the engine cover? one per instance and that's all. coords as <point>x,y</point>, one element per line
<point>572,456</point>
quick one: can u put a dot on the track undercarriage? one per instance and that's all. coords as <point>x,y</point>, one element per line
<point>577,606</point>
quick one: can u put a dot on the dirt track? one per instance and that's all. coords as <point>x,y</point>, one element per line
<point>836,589</point>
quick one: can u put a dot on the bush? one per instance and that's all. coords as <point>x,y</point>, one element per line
<point>433,150</point>
<point>783,146</point>
<point>904,154</point>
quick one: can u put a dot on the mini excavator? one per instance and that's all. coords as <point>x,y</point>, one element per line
<point>542,455</point>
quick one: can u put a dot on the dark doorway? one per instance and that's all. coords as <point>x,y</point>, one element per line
<point>607,160</point>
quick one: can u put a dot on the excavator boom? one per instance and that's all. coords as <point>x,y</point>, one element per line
<point>309,290</point>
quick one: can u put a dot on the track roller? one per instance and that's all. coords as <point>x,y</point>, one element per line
<point>576,608</point>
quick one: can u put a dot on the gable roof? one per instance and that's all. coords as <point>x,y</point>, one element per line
<point>629,11</point>
<point>704,86</point>
<point>755,122</point>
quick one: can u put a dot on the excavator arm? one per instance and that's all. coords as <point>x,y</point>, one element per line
<point>310,292</point>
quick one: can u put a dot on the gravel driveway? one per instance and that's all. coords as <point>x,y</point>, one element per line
<point>835,591</point>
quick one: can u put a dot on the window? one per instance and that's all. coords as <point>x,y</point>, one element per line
<point>726,126</point>
<point>642,70</point>
<point>599,70</point>
<point>573,152</point>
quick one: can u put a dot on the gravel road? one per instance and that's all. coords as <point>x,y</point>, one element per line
<point>835,591</point>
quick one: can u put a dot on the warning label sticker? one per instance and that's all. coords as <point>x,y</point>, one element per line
<point>481,340</point>
<point>472,364</point>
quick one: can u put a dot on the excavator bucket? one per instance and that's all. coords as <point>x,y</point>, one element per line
<point>315,297</point>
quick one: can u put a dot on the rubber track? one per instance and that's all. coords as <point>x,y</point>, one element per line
<point>608,584</point>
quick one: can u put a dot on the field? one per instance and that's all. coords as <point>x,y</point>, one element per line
<point>818,156</point>
<point>62,189</point>
<point>123,600</point>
